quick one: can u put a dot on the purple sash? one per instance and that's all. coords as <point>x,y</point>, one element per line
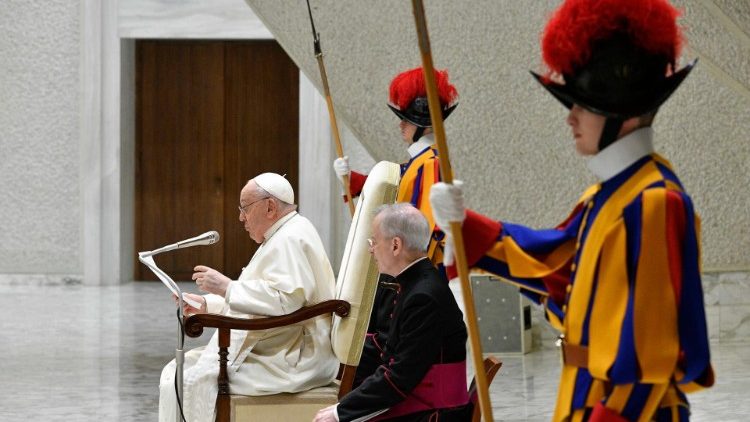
<point>444,386</point>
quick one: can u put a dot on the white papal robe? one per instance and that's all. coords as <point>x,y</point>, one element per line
<point>289,270</point>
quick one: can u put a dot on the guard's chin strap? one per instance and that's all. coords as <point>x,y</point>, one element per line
<point>417,134</point>
<point>610,131</point>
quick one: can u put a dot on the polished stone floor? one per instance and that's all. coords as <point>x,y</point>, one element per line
<point>78,353</point>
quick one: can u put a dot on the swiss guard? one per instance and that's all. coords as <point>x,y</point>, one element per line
<point>408,100</point>
<point>620,277</point>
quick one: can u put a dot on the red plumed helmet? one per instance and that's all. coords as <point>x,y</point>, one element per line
<point>614,55</point>
<point>408,96</point>
<point>577,24</point>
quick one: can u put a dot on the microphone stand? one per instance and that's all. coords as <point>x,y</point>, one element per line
<point>179,358</point>
<point>147,259</point>
<point>179,355</point>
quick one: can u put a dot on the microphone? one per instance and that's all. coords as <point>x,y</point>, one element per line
<point>207,238</point>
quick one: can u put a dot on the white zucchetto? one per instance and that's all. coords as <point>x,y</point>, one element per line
<point>276,185</point>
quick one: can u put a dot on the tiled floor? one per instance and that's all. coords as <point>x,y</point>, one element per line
<point>78,353</point>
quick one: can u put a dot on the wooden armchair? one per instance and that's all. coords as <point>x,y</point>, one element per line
<point>355,293</point>
<point>491,365</point>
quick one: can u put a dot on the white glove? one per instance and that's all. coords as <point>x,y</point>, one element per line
<point>447,206</point>
<point>341,168</point>
<point>447,203</point>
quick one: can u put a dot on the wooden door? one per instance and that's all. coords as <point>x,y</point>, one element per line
<point>209,117</point>
<point>262,129</point>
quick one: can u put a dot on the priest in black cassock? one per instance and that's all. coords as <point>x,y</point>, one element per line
<point>422,370</point>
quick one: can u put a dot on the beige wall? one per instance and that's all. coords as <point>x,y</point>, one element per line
<point>39,131</point>
<point>508,139</point>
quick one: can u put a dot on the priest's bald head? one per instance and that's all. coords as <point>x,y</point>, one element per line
<point>264,200</point>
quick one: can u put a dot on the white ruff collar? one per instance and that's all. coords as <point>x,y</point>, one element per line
<point>619,155</point>
<point>419,146</point>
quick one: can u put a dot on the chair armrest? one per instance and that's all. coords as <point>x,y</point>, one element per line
<point>194,324</point>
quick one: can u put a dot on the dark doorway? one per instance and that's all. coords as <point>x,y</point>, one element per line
<point>209,116</point>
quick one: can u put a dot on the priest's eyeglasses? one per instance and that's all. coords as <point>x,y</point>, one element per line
<point>242,208</point>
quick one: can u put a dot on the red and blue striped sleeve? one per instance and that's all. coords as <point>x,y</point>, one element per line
<point>538,261</point>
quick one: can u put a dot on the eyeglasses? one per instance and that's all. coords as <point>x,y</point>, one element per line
<point>242,208</point>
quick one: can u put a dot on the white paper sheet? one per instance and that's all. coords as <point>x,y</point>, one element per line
<point>167,280</point>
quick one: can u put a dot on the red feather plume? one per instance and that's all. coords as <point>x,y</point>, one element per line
<point>408,85</point>
<point>568,36</point>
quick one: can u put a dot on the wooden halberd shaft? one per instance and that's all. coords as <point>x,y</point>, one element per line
<point>446,173</point>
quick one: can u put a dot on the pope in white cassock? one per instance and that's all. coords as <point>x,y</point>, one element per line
<point>290,270</point>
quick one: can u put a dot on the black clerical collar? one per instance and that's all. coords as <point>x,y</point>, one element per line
<point>413,269</point>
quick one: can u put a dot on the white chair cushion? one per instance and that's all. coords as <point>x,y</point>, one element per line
<point>358,275</point>
<point>283,407</point>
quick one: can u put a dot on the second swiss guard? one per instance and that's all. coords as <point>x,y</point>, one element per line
<point>408,100</point>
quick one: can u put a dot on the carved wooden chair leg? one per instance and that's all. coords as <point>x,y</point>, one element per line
<point>222,399</point>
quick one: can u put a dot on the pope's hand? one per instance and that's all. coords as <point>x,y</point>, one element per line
<point>447,207</point>
<point>189,310</point>
<point>210,280</point>
<point>327,415</point>
<point>341,168</point>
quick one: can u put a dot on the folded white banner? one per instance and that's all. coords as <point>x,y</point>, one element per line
<point>148,261</point>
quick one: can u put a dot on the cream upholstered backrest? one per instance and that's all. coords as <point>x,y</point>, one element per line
<point>358,275</point>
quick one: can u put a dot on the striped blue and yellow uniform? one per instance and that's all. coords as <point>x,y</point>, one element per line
<point>621,279</point>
